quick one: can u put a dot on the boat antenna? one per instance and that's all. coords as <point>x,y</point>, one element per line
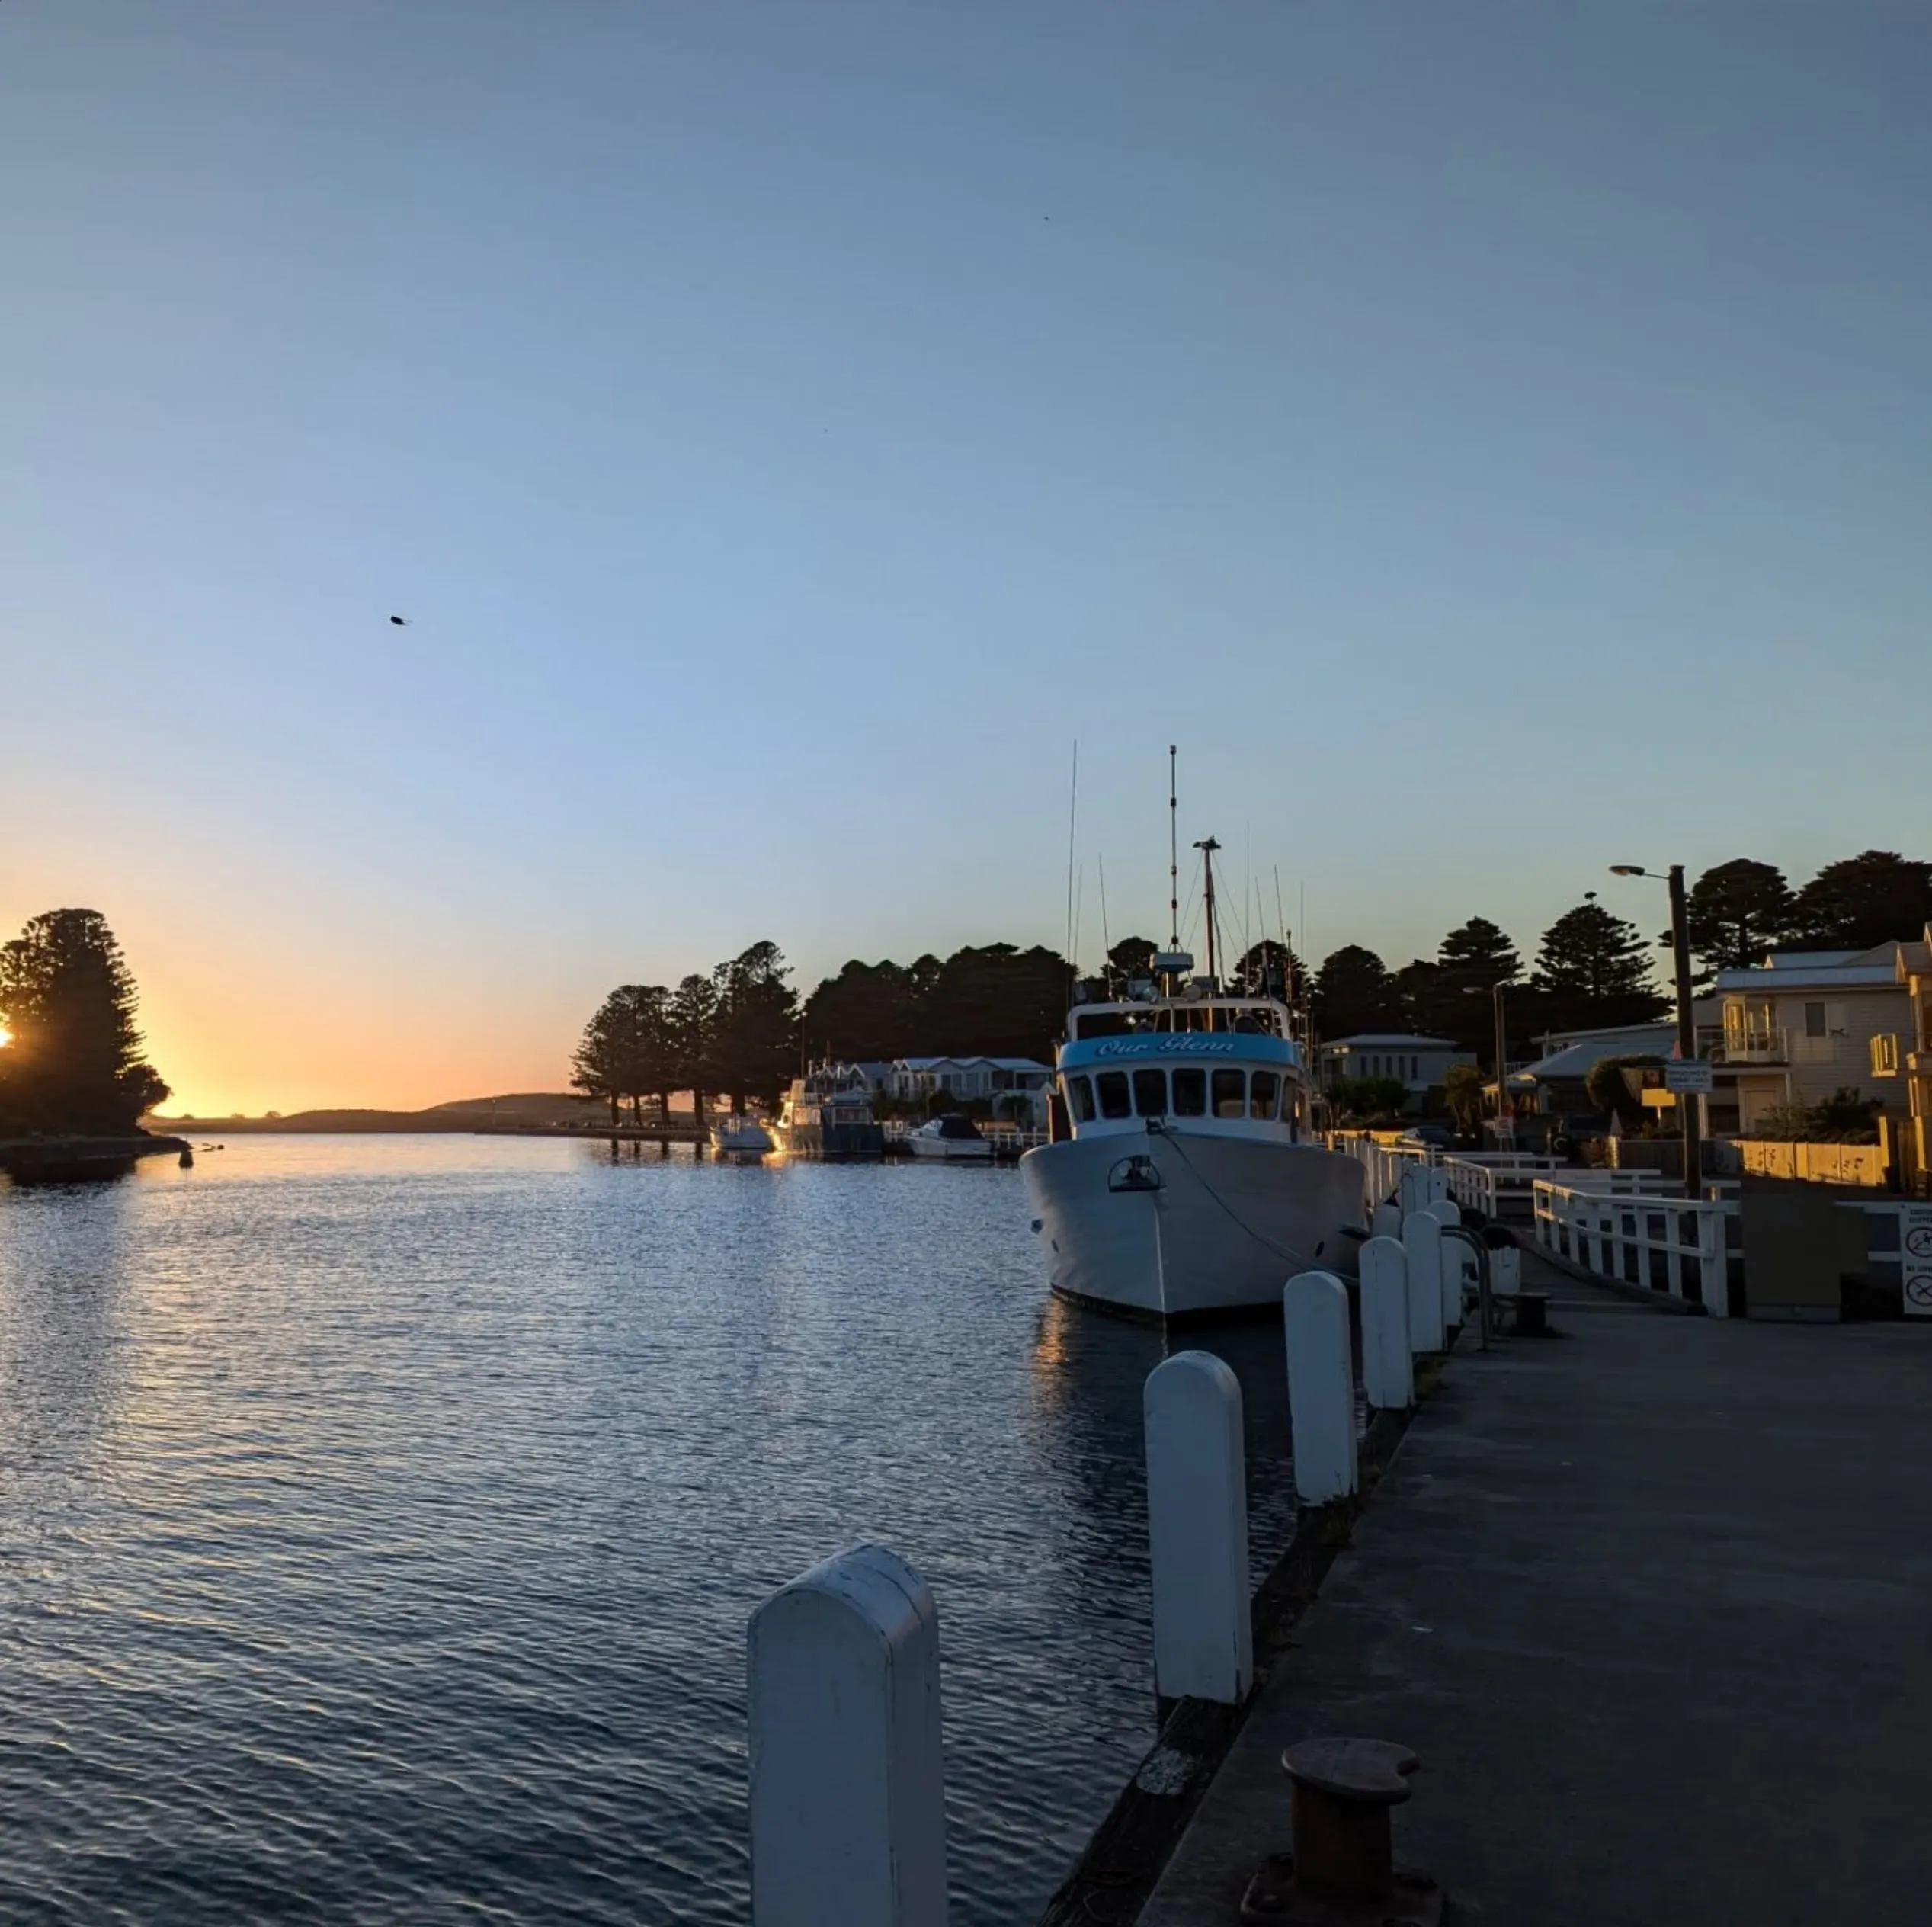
<point>1107,946</point>
<point>1073,813</point>
<point>1287,950</point>
<point>1174,854</point>
<point>1207,846</point>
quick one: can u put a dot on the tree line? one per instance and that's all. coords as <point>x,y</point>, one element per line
<point>1594,970</point>
<point>71,1062</point>
<point>741,1032</point>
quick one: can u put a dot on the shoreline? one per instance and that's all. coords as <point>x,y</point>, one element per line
<point>55,1158</point>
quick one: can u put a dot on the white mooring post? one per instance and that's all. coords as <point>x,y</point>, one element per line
<point>848,1813</point>
<point>1386,1221</point>
<point>1422,1247</point>
<point>1457,1260</point>
<point>1321,1385</point>
<point>1387,1363</point>
<point>1198,1530</point>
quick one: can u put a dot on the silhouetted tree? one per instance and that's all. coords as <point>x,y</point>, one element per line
<point>67,999</point>
<point>1354,993</point>
<point>865,1013</point>
<point>692,1015</point>
<point>755,1026</point>
<point>1131,958</point>
<point>1268,969</point>
<point>1593,970</point>
<point>1875,898</point>
<point>1474,957</point>
<point>627,1051</point>
<point>1737,911</point>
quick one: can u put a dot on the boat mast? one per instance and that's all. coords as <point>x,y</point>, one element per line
<point>1174,856</point>
<point>1207,846</point>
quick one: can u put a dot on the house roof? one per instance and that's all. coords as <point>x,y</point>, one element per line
<point>1578,1058</point>
<point>1016,1063</point>
<point>1392,1039</point>
<point>1814,977</point>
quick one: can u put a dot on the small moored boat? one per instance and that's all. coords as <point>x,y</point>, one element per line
<point>740,1137</point>
<point>953,1136</point>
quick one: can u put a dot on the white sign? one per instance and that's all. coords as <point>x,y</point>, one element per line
<point>1688,1074</point>
<point>1915,1258</point>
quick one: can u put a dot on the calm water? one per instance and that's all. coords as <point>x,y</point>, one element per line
<point>381,1517</point>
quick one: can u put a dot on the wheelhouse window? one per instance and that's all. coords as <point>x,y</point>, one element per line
<point>1112,1088</point>
<point>1189,1092</point>
<point>1080,1096</point>
<point>1263,1094</point>
<point>1230,1093</point>
<point>1151,1092</point>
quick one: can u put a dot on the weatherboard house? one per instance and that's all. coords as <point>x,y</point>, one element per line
<point>1419,1064</point>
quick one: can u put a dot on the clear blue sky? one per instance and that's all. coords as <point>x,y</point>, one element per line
<point>1492,440</point>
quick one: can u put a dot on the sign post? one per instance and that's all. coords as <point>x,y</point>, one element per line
<point>1692,1076</point>
<point>1915,1259</point>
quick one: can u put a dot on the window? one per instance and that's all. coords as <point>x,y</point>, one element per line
<point>1112,1086</point>
<point>1814,1020</point>
<point>1885,1057</point>
<point>1230,1093</point>
<point>1151,1093</point>
<point>1080,1096</point>
<point>1263,1093</point>
<point>1190,1091</point>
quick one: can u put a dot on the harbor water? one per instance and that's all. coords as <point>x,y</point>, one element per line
<point>380,1518</point>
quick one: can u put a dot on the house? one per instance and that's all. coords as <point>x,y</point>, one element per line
<point>1554,1084</point>
<point>1804,1024</point>
<point>967,1077</point>
<point>1913,968</point>
<point>1420,1064</point>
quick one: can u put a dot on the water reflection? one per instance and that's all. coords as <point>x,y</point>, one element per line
<point>408,1499</point>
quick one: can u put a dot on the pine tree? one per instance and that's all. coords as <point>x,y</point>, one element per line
<point>68,1000</point>
<point>1354,993</point>
<point>691,1020</point>
<point>1879,897</point>
<point>756,1025</point>
<point>1593,970</point>
<point>1738,910</point>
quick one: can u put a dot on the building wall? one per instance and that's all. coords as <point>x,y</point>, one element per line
<point>1815,1067</point>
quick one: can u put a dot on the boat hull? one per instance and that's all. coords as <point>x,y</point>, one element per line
<point>1216,1229</point>
<point>958,1150</point>
<point>833,1144</point>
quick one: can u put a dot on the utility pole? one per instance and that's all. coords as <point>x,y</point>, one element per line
<point>1690,1100</point>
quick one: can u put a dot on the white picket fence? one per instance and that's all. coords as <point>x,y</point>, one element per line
<point>1668,1244</point>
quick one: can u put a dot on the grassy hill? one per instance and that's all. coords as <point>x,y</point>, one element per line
<point>460,1114</point>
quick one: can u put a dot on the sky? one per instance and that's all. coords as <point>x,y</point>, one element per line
<point>1491,441</point>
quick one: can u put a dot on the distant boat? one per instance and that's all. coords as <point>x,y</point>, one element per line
<point>953,1136</point>
<point>741,1137</point>
<point>827,1114</point>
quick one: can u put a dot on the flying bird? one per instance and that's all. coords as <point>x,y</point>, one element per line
<point>401,622</point>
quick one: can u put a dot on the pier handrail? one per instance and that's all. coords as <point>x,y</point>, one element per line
<point>1668,1244</point>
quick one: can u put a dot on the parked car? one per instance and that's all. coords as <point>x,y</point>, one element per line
<point>1434,1137</point>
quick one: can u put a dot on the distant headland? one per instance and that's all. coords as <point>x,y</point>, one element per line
<point>520,1109</point>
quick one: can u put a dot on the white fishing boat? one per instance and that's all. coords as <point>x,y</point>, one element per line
<point>740,1137</point>
<point>1190,1184</point>
<point>953,1137</point>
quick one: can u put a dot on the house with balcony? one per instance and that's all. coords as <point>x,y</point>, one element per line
<point>1804,1024</point>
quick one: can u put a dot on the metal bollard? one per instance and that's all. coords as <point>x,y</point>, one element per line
<point>1342,1872</point>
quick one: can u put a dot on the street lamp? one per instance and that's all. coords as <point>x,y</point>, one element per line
<point>1505,1117</point>
<point>1693,1185</point>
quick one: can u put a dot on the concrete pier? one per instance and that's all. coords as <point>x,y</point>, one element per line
<point>1649,1599</point>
